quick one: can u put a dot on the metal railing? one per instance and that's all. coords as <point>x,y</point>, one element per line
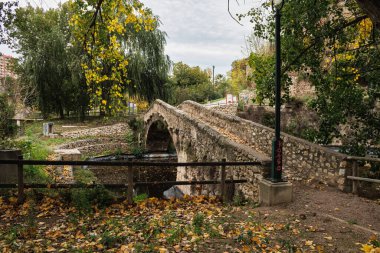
<point>21,185</point>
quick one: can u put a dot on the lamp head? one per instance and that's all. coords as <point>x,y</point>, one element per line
<point>277,4</point>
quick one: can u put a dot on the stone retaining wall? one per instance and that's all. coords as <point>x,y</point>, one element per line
<point>119,129</point>
<point>110,148</point>
<point>86,142</point>
<point>303,160</point>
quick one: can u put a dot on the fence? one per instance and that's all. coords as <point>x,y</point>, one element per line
<point>355,172</point>
<point>130,182</point>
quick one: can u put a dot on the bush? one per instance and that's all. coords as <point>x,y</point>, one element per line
<point>7,112</point>
<point>240,106</point>
<point>200,93</point>
<point>269,119</point>
<point>83,199</point>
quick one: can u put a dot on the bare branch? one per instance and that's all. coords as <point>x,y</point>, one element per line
<point>232,15</point>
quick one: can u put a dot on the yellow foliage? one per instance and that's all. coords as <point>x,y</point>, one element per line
<point>106,72</point>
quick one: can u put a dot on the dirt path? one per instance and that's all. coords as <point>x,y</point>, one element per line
<point>327,216</point>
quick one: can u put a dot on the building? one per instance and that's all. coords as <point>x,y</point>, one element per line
<point>5,70</point>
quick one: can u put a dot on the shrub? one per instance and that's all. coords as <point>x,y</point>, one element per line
<point>7,126</point>
<point>240,106</point>
<point>269,119</point>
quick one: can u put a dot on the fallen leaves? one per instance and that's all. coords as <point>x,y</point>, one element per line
<point>193,224</point>
<point>373,245</point>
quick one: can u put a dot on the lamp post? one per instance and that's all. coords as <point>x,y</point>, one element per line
<point>276,172</point>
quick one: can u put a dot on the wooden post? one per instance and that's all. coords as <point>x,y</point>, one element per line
<point>223,183</point>
<point>355,174</point>
<point>20,180</point>
<point>130,184</point>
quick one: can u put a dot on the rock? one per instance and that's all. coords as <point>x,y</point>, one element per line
<point>303,216</point>
<point>173,192</point>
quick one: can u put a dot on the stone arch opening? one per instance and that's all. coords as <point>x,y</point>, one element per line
<point>159,139</point>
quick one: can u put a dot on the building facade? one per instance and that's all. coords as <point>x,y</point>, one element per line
<point>5,69</point>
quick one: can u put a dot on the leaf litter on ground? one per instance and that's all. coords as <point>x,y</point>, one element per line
<point>192,224</point>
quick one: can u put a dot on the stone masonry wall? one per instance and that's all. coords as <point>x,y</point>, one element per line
<point>195,141</point>
<point>303,160</point>
<point>228,109</point>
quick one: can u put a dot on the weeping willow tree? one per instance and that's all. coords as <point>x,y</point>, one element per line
<point>148,65</point>
<point>125,52</point>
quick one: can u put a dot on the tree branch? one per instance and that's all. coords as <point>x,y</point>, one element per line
<point>316,40</point>
<point>228,8</point>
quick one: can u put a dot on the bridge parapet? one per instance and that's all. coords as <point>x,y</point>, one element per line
<point>303,160</point>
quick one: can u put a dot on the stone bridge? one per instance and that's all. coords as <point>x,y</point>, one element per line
<point>200,134</point>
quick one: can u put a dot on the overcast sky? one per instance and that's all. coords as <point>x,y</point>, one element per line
<point>198,32</point>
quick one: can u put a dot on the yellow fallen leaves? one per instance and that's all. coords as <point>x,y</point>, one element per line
<point>152,225</point>
<point>373,245</point>
<point>370,249</point>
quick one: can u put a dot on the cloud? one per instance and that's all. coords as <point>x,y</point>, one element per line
<point>199,32</point>
<point>202,32</point>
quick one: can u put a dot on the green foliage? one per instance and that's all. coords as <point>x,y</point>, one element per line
<point>148,66</point>
<point>136,124</point>
<point>239,200</point>
<point>240,106</point>
<point>185,76</point>
<point>81,200</point>
<point>193,83</point>
<point>84,199</point>
<point>269,119</point>
<point>238,76</point>
<point>140,197</point>
<point>109,239</point>
<point>48,64</point>
<point>137,127</point>
<point>336,46</point>
<point>198,223</point>
<point>7,9</point>
<point>175,235</point>
<point>7,125</point>
<point>199,93</point>
<point>124,53</point>
<point>262,65</point>
<point>32,148</point>
<point>84,176</point>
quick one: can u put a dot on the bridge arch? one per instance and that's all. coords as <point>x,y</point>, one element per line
<point>158,136</point>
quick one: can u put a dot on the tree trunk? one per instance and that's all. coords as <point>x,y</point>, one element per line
<point>61,112</point>
<point>372,9</point>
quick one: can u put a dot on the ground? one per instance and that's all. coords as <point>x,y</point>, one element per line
<point>319,219</point>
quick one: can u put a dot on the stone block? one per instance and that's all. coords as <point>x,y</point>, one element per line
<point>69,154</point>
<point>47,128</point>
<point>8,172</point>
<point>271,194</point>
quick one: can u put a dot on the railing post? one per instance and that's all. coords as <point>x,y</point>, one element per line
<point>130,184</point>
<point>20,180</point>
<point>223,182</point>
<point>355,174</point>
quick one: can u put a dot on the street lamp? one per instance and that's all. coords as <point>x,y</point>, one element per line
<point>276,172</point>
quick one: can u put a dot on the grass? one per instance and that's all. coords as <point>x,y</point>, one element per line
<point>84,176</point>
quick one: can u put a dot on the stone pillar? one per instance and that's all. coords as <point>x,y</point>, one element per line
<point>271,194</point>
<point>47,128</point>
<point>8,172</point>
